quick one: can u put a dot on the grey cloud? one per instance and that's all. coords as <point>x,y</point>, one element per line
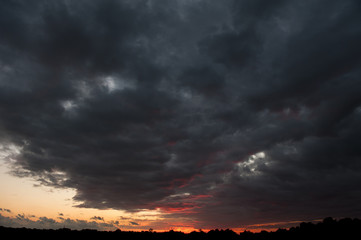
<point>134,103</point>
<point>43,222</point>
<point>21,217</point>
<point>46,221</point>
<point>97,218</point>
<point>5,210</point>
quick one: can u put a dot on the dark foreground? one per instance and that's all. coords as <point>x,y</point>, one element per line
<point>327,229</point>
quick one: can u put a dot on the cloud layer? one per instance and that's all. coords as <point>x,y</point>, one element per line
<point>245,111</point>
<point>31,221</point>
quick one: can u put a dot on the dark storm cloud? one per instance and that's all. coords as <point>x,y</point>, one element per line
<point>245,111</point>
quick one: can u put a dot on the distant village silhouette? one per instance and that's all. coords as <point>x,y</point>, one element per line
<point>329,228</point>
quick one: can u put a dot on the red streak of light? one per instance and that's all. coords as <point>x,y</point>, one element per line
<point>201,196</point>
<point>171,143</point>
<point>182,182</point>
<point>210,158</point>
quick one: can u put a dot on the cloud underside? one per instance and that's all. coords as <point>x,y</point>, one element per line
<point>245,111</point>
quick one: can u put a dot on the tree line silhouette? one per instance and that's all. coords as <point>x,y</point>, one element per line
<point>329,228</point>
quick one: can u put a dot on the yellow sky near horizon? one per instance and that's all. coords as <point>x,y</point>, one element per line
<point>26,196</point>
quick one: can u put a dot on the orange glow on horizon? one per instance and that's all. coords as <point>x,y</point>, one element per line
<point>58,204</point>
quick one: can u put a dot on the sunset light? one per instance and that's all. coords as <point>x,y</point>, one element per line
<point>219,117</point>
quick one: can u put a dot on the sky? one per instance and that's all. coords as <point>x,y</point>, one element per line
<point>179,114</point>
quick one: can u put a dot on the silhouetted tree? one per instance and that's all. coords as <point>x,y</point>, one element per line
<point>329,228</point>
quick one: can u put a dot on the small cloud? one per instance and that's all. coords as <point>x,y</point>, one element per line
<point>5,210</point>
<point>45,220</point>
<point>133,223</point>
<point>20,216</point>
<point>97,218</point>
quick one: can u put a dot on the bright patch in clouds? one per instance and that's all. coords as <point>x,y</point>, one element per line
<point>251,165</point>
<point>68,105</point>
<point>112,83</point>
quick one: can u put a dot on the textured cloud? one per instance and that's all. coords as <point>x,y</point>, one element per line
<point>97,218</point>
<point>245,111</point>
<point>21,220</point>
<point>5,210</point>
